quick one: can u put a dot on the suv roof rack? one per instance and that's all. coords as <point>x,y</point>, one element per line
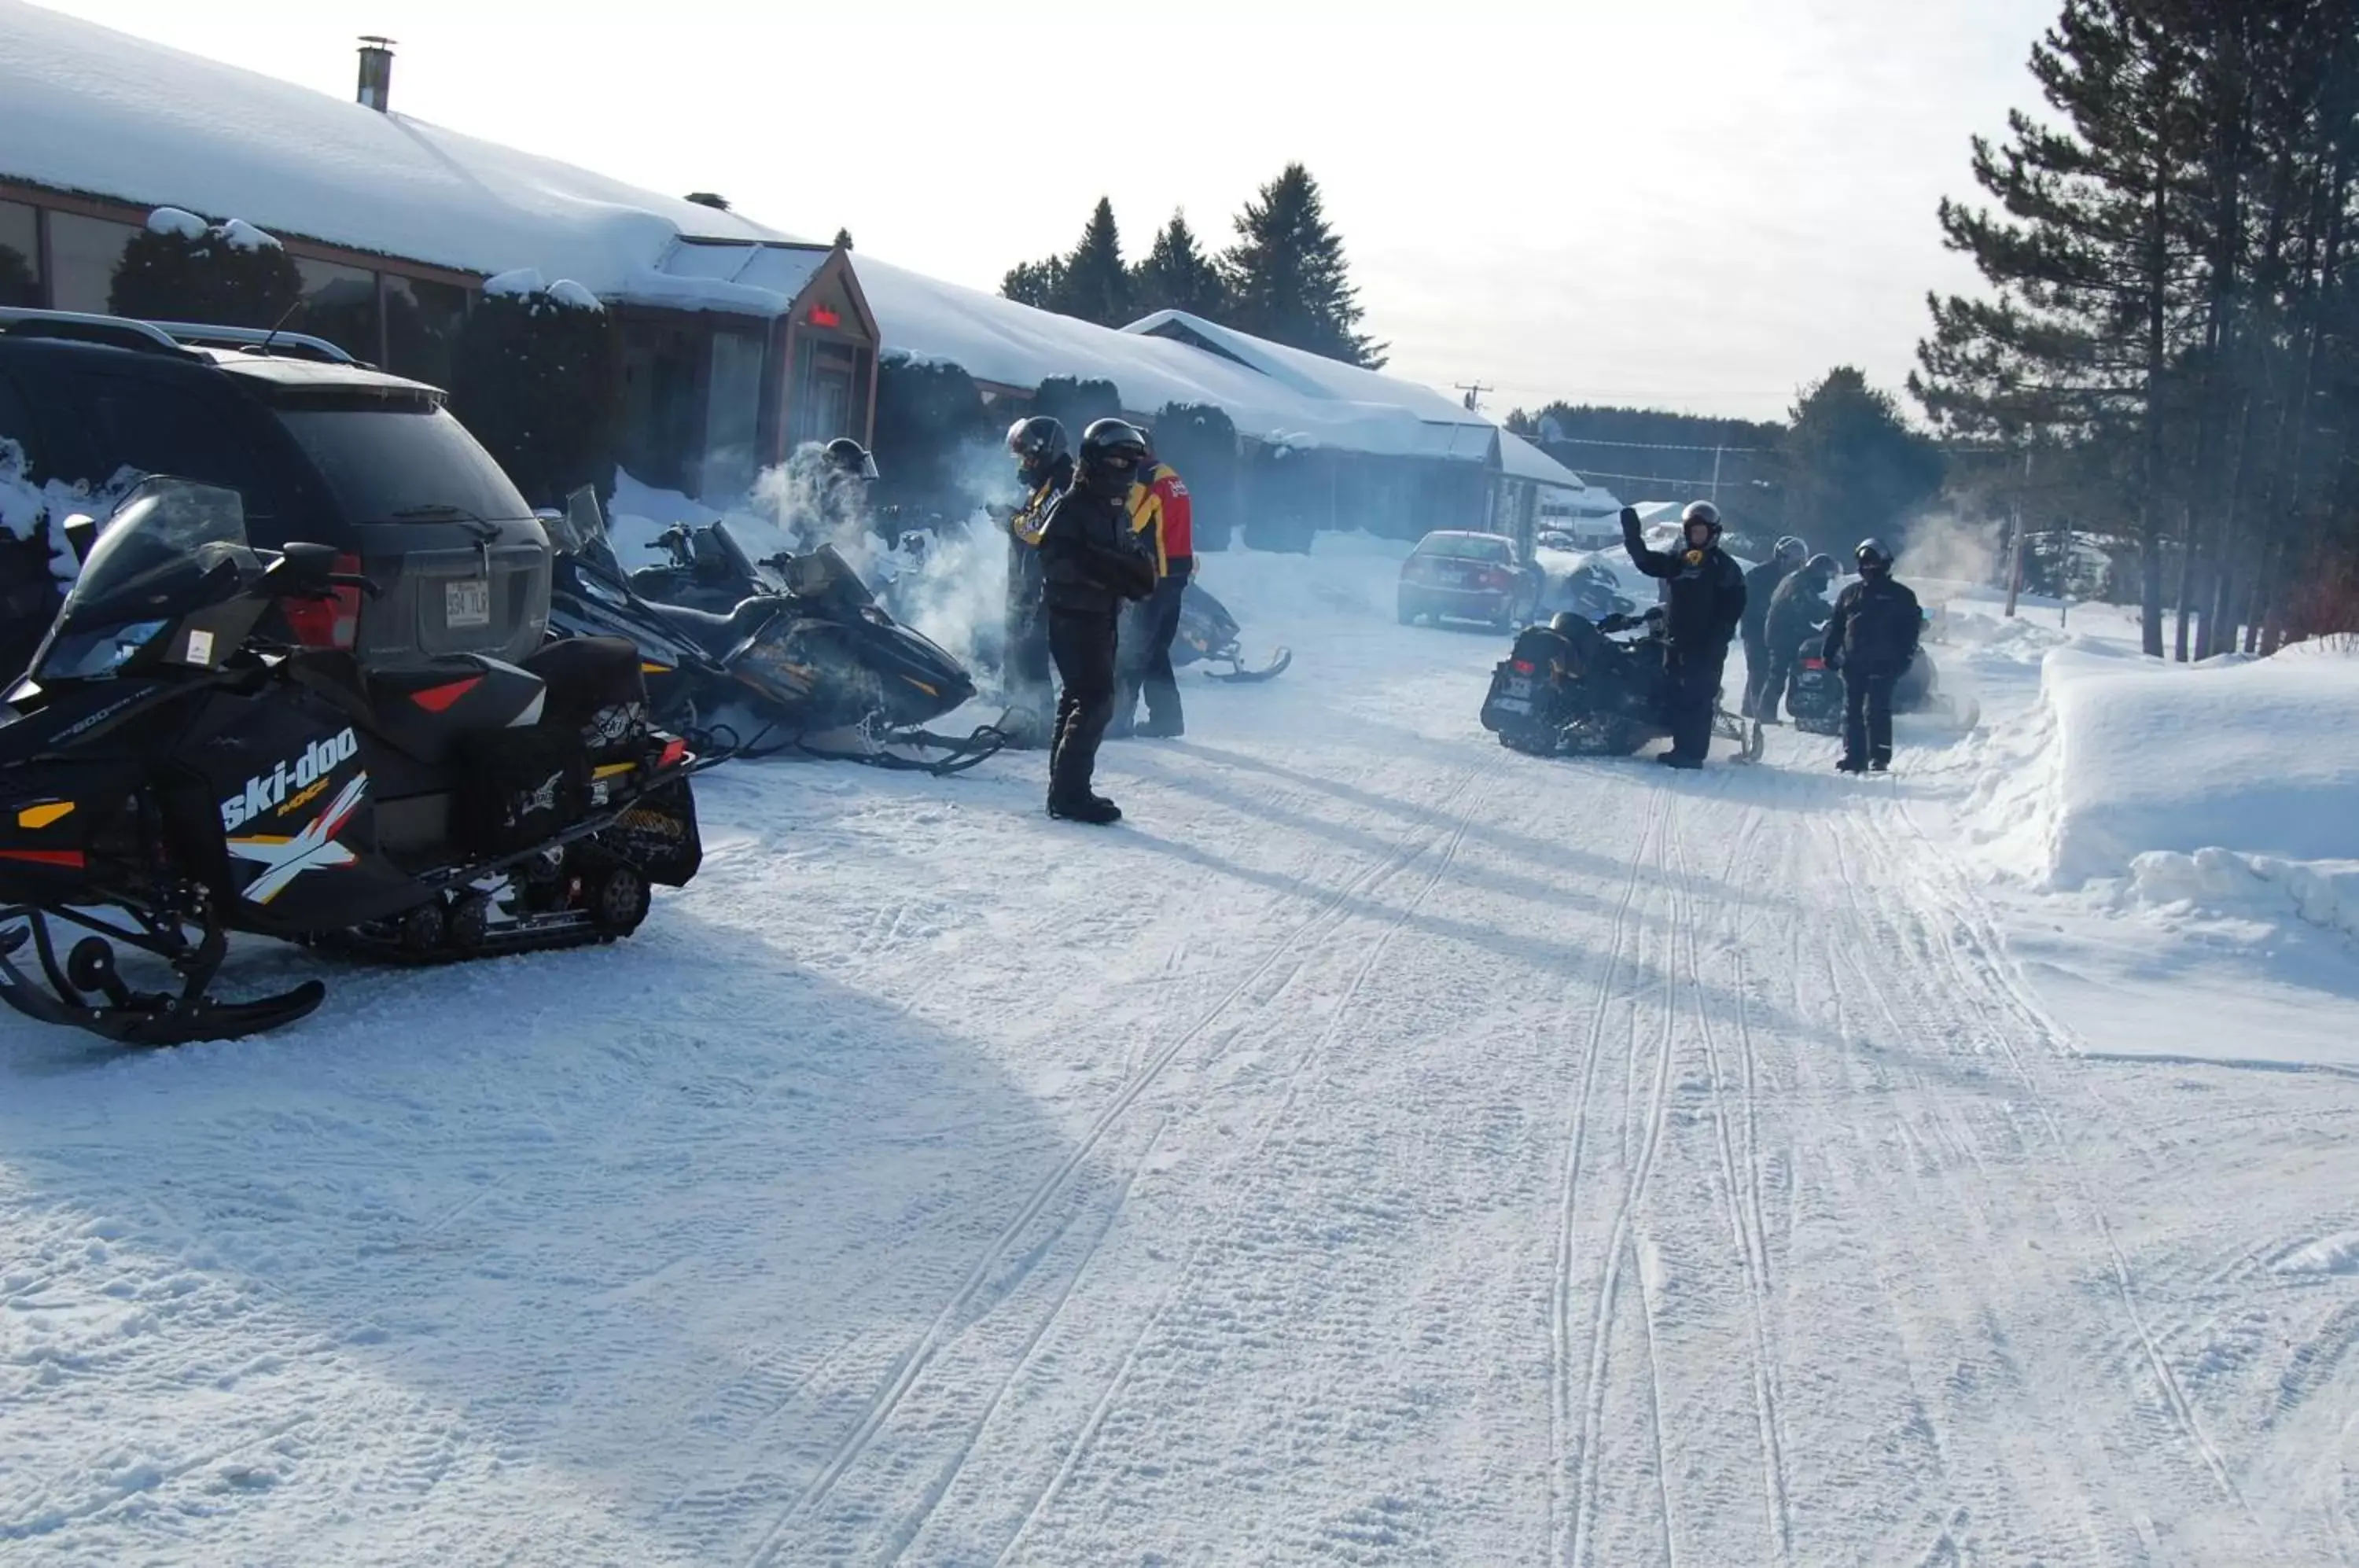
<point>165,337</point>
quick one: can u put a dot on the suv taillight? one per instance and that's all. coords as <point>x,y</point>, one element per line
<point>331,622</point>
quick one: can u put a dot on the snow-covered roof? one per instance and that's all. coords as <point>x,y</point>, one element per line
<point>86,108</point>
<point>1313,376</point>
<point>1522,460</point>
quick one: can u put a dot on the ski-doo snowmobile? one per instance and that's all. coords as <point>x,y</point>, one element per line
<point>1593,592</point>
<point>175,766</point>
<point>1815,696</point>
<point>1209,633</point>
<point>1571,687</point>
<point>792,653</point>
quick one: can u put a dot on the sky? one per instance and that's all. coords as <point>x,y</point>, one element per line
<point>1695,204</point>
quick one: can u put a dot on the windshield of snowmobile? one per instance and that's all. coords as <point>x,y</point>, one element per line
<point>172,547</point>
<point>734,553</point>
<point>824,574</point>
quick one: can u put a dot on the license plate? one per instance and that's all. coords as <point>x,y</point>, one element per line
<point>467,604</point>
<point>1453,578</point>
<point>1515,704</point>
<point>1519,686</point>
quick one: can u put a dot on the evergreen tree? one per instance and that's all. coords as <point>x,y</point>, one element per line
<point>843,239</point>
<point>538,379</point>
<point>1096,284</point>
<point>17,285</point>
<point>181,269</point>
<point>930,420</point>
<point>1286,276</point>
<point>1852,466</point>
<point>1039,284</point>
<point>1178,276</point>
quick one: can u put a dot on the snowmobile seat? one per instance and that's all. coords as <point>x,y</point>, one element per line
<point>427,711</point>
<point>595,688</point>
<point>720,635</point>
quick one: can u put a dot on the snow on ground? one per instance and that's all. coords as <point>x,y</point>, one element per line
<point>1381,1149</point>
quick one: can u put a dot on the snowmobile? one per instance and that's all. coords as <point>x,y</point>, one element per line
<point>1209,633</point>
<point>178,764</point>
<point>1593,592</point>
<point>794,649</point>
<point>1815,696</point>
<point>1571,687</point>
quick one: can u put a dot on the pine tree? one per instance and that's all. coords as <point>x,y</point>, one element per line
<point>1096,284</point>
<point>1854,468</point>
<point>1287,280</point>
<point>538,379</point>
<point>181,269</point>
<point>2094,275</point>
<point>1039,284</point>
<point>843,239</point>
<point>1178,276</point>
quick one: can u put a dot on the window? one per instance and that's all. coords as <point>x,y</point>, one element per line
<point>660,403</point>
<point>16,429</point>
<point>151,426</point>
<point>340,305</point>
<point>732,417</point>
<point>20,255</point>
<point>421,327</point>
<point>84,253</point>
<point>1467,547</point>
<point>824,372</point>
<point>403,462</point>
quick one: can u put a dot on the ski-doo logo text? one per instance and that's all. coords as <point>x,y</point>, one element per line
<point>268,791</point>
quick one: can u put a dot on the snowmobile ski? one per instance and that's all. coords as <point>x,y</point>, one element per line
<point>1238,675</point>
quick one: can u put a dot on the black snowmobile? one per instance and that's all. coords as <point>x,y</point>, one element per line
<point>1571,687</point>
<point>175,766</point>
<point>785,655</point>
<point>1209,633</point>
<point>1815,696</point>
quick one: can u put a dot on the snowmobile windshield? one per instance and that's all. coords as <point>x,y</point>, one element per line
<point>825,575</point>
<point>172,547</point>
<point>734,554</point>
<point>392,462</point>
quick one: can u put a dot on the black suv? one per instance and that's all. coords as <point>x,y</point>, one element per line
<point>320,448</point>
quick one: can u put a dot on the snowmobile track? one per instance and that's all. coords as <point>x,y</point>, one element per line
<point>914,1362</point>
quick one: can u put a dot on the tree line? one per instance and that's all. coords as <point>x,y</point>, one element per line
<point>1285,278</point>
<point>2168,352</point>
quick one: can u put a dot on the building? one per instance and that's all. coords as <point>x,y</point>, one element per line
<point>738,342</point>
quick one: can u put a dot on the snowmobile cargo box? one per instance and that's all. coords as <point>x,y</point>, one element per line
<point>594,688</point>
<point>658,836</point>
<point>519,786</point>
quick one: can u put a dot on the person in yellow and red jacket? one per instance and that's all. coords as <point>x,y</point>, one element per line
<point>1161,515</point>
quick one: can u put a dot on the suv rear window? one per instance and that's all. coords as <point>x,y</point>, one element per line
<point>396,462</point>
<point>156,427</point>
<point>1466,547</point>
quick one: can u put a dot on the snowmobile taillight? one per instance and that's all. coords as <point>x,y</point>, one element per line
<point>331,622</point>
<point>673,751</point>
<point>1814,664</point>
<point>1523,666</point>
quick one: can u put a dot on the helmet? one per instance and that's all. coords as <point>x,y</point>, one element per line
<point>1112,444</point>
<point>1791,551</point>
<point>1819,566</point>
<point>850,458</point>
<point>1564,622</point>
<point>1873,555</point>
<point>1037,440</point>
<point>1703,512</point>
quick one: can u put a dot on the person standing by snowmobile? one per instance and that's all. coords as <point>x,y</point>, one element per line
<point>1760,587</point>
<point>1705,591</point>
<point>1797,613</point>
<point>1162,515</point>
<point>1872,637</point>
<point>1045,466</point>
<point>1091,562</point>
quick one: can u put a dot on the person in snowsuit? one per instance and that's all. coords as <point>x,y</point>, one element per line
<point>1045,467</point>
<point>1091,562</point>
<point>1705,591</point>
<point>1872,637</point>
<point>1798,614</point>
<point>1162,517</point>
<point>1760,587</point>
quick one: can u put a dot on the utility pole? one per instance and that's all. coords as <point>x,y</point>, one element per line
<point>1715,473</point>
<point>1474,390</point>
<point>2014,540</point>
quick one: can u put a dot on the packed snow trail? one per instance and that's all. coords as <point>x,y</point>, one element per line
<point>1381,1149</point>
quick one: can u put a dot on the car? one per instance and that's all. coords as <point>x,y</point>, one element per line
<point>1454,575</point>
<point>319,450</point>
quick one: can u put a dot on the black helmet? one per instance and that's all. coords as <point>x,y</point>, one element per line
<point>1819,566</point>
<point>1564,622</point>
<point>1791,549</point>
<point>1873,555</point>
<point>850,459</point>
<point>1112,451</point>
<point>1037,440</point>
<point>1703,512</point>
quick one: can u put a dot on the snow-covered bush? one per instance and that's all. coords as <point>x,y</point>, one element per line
<point>1200,441</point>
<point>932,431</point>
<point>181,269</point>
<point>537,378</point>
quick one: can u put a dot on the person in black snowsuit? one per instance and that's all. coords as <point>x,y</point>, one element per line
<point>1760,587</point>
<point>1872,637</point>
<point>1046,468</point>
<point>1798,614</point>
<point>1706,595</point>
<point>1090,563</point>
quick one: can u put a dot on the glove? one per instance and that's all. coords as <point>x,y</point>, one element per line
<point>1629,519</point>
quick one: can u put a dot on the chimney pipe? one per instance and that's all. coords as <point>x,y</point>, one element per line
<point>376,71</point>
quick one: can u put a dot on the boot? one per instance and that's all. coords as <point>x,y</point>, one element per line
<point>1095,809</point>
<point>1850,765</point>
<point>1160,729</point>
<point>1880,759</point>
<point>1674,760</point>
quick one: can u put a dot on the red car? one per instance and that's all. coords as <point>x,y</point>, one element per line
<point>1469,577</point>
